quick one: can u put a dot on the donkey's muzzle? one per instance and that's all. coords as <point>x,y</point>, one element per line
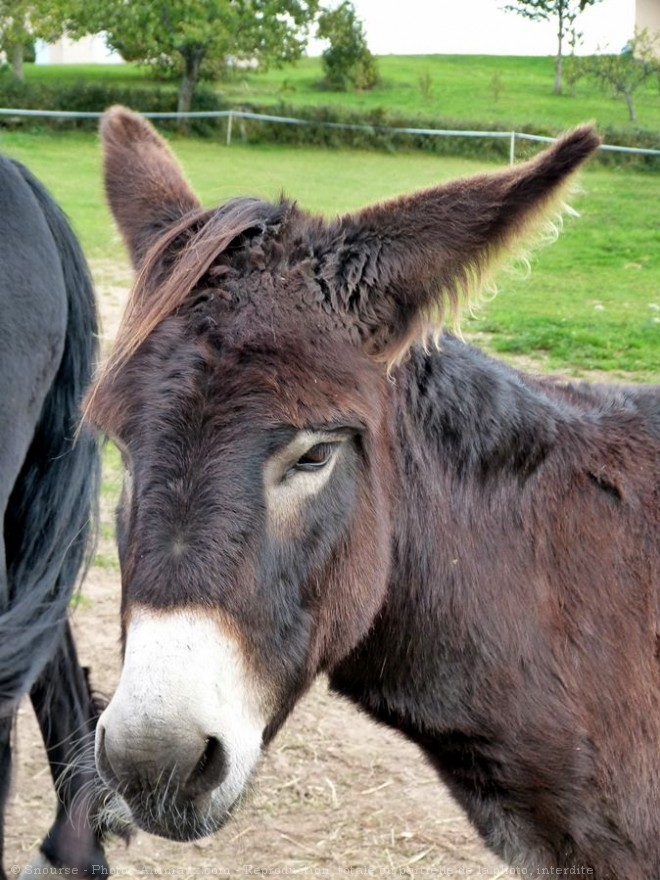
<point>186,769</point>
<point>183,732</point>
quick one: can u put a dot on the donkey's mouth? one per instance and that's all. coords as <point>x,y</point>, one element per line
<point>171,818</point>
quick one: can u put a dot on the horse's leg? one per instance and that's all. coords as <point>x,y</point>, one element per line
<point>16,429</point>
<point>5,780</point>
<point>67,716</point>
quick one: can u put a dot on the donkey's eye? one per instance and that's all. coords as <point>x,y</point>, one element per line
<point>316,457</point>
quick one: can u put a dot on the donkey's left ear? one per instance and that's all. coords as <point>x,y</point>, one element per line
<point>143,181</point>
<point>404,264</point>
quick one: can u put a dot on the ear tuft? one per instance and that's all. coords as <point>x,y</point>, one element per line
<point>408,263</point>
<point>144,184</point>
<point>574,147</point>
<point>120,125</point>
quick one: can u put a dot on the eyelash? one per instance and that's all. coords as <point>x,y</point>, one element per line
<point>315,458</point>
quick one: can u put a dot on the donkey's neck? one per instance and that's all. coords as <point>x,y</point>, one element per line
<point>472,434</point>
<point>476,417</point>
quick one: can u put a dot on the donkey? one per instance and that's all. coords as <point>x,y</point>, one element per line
<point>318,481</point>
<point>48,499</point>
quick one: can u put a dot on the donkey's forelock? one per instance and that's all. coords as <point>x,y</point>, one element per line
<point>181,258</point>
<point>192,254</point>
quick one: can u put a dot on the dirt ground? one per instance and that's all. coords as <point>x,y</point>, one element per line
<point>336,795</point>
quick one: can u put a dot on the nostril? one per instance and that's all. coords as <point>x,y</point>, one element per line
<point>103,765</point>
<point>210,770</point>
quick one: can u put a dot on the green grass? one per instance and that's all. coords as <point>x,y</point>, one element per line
<point>112,470</point>
<point>461,87</point>
<point>331,182</point>
<point>69,74</point>
<point>105,556</point>
<point>592,301</point>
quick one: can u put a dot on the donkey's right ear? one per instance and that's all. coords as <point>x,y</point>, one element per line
<point>143,181</point>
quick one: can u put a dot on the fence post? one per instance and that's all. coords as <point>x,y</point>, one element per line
<point>512,148</point>
<point>229,119</point>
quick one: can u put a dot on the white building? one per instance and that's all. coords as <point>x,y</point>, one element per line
<point>647,14</point>
<point>88,50</point>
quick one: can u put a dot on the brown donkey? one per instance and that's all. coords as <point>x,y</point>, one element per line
<point>314,485</point>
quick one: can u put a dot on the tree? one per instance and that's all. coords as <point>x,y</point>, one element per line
<point>563,12</point>
<point>623,74</point>
<point>23,21</point>
<point>185,35</point>
<point>347,62</point>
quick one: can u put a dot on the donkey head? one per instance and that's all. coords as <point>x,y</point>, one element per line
<point>250,392</point>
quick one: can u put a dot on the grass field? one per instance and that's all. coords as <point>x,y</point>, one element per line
<point>483,89</point>
<point>517,91</point>
<point>592,301</point>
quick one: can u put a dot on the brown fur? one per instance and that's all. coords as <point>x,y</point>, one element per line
<point>481,569</point>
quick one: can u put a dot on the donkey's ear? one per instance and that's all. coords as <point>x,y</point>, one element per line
<point>143,181</point>
<point>405,263</point>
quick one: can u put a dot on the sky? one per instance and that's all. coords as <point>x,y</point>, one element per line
<point>480,27</point>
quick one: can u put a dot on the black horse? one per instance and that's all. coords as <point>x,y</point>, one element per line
<point>48,497</point>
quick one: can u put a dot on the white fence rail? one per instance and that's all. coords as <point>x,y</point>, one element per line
<point>230,115</point>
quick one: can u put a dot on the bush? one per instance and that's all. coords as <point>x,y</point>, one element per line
<point>323,129</point>
<point>348,63</point>
<point>95,98</point>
